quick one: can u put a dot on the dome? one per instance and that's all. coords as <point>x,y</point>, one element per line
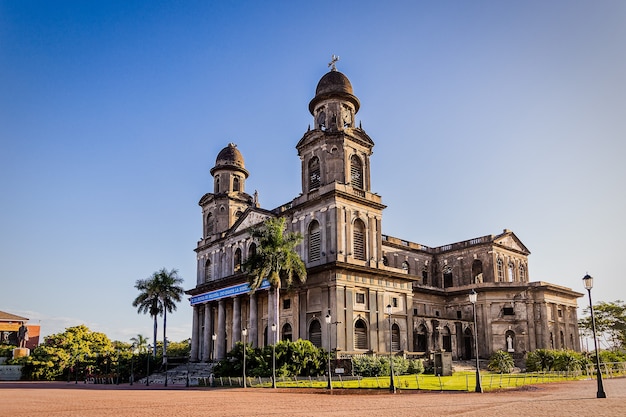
<point>334,84</point>
<point>230,158</point>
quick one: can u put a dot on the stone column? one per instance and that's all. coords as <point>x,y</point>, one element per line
<point>253,324</point>
<point>195,340</point>
<point>530,327</point>
<point>236,320</point>
<point>221,330</point>
<point>208,330</point>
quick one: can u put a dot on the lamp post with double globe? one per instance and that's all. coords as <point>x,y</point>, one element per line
<point>588,282</point>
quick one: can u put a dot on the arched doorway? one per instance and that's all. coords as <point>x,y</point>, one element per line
<point>315,333</point>
<point>395,338</point>
<point>446,339</point>
<point>360,335</point>
<point>468,340</point>
<point>420,339</point>
<point>286,332</point>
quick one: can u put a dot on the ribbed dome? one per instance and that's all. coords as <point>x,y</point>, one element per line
<point>334,84</point>
<point>230,157</point>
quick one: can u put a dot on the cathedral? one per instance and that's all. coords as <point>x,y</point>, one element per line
<point>366,292</point>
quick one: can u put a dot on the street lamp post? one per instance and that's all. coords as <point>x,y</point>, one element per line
<point>328,319</point>
<point>148,366</point>
<point>472,297</point>
<point>214,338</point>
<point>392,385</point>
<point>244,333</point>
<point>273,355</point>
<point>588,282</point>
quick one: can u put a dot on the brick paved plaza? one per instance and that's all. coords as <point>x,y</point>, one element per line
<point>56,399</point>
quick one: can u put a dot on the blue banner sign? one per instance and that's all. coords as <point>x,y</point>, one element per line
<point>225,292</point>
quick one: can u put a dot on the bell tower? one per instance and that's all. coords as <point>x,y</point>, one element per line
<point>228,201</point>
<point>335,150</point>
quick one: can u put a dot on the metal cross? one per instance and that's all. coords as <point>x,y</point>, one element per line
<point>332,63</point>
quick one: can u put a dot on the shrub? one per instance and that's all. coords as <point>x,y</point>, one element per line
<point>554,360</point>
<point>416,366</point>
<point>299,358</point>
<point>501,362</point>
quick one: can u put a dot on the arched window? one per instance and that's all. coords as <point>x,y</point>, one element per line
<point>562,337</point>
<point>358,237</point>
<point>405,266</point>
<point>522,273</point>
<point>511,274</point>
<point>395,338</point>
<point>447,277</point>
<point>385,261</point>
<point>217,184</point>
<point>236,184</point>
<point>314,173</point>
<point>500,270</point>
<point>207,270</point>
<point>210,224</point>
<point>360,335</point>
<point>477,271</point>
<point>285,333</point>
<point>252,250</point>
<point>314,241</point>
<point>425,276</point>
<point>238,214</point>
<point>237,260</point>
<point>356,172</point>
<point>315,333</point>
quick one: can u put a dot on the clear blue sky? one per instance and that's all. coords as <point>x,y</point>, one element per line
<point>486,115</point>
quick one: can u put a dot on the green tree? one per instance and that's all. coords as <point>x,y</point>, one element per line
<point>148,301</point>
<point>170,293</point>
<point>610,322</point>
<point>76,349</point>
<point>275,260</point>
<point>158,295</point>
<point>140,342</point>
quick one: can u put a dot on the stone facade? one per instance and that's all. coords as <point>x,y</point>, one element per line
<point>356,274</point>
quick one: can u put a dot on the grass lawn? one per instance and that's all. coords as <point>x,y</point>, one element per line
<point>459,381</point>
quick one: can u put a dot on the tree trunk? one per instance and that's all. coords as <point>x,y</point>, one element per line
<point>164,336</point>
<point>154,340</point>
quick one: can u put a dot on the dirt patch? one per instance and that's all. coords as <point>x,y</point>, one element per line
<point>70,400</point>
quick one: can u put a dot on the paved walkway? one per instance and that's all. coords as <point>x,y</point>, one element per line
<point>56,399</point>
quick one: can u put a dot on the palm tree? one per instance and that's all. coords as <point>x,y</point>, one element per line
<point>140,342</point>
<point>275,260</point>
<point>148,301</point>
<point>170,292</point>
